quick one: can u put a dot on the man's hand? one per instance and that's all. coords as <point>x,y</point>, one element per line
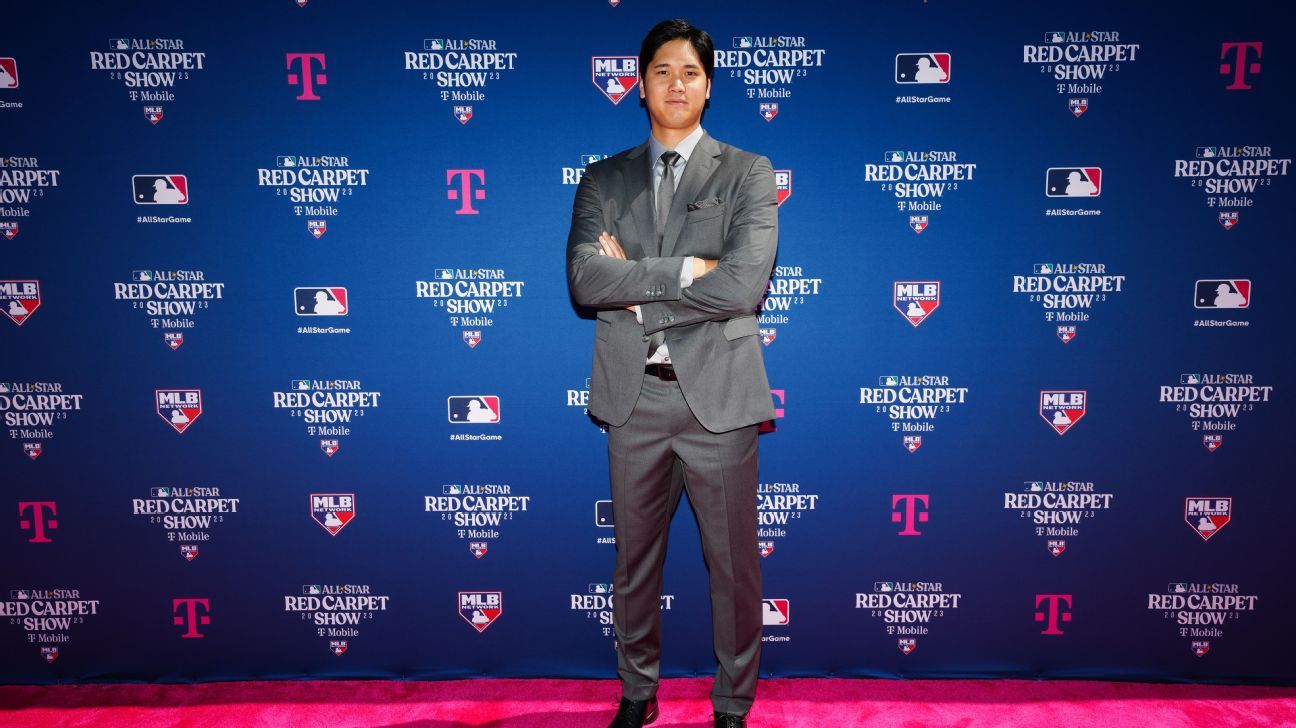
<point>702,266</point>
<point>609,246</point>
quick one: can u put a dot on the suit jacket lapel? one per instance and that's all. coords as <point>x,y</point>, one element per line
<point>702,163</point>
<point>636,176</point>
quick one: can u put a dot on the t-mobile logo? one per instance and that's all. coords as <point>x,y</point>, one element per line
<point>307,77</point>
<point>907,516</point>
<point>38,523</point>
<point>466,192</point>
<point>1051,613</point>
<point>1239,67</point>
<point>189,619</point>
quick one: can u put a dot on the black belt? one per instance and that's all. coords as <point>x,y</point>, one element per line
<point>664,372</point>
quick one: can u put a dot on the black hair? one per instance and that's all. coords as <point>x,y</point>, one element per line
<point>676,29</point>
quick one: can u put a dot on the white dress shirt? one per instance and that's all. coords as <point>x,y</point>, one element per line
<point>685,149</point>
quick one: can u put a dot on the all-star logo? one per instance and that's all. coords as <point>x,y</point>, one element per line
<point>338,647</point>
<point>1066,333</point>
<point>9,230</point>
<point>481,608</point>
<point>767,336</point>
<point>766,548</point>
<point>1056,546</point>
<point>1078,106</point>
<point>1061,409</point>
<point>178,407</point>
<point>918,223</point>
<point>1207,515</point>
<point>912,443</point>
<point>173,339</point>
<point>782,185</point>
<point>153,114</point>
<point>615,76</point>
<point>1228,219</point>
<point>19,299</point>
<point>1212,442</point>
<point>915,300</point>
<point>329,446</point>
<point>189,552</point>
<point>908,644</point>
<point>317,228</point>
<point>472,338</point>
<point>463,113</point>
<point>1200,647</point>
<point>769,110</point>
<point>332,511</point>
<point>478,548</point>
<point>33,449</point>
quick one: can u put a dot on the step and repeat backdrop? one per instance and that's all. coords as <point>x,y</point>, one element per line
<point>292,384</point>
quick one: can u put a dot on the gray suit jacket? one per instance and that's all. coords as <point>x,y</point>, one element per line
<point>724,208</point>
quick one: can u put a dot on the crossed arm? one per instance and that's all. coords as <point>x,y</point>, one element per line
<point>600,276</point>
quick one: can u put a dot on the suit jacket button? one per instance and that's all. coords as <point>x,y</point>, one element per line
<point>645,339</point>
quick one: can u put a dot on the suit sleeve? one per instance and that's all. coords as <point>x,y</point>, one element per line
<point>598,281</point>
<point>739,280</point>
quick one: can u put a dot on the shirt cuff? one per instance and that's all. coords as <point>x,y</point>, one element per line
<point>686,273</point>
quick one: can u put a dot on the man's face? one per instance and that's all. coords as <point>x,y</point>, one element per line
<point>675,86</point>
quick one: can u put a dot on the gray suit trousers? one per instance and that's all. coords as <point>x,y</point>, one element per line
<point>659,450</point>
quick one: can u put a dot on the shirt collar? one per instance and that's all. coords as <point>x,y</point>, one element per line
<point>685,147</point>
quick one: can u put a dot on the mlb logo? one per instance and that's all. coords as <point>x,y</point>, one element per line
<point>1200,647</point>
<point>8,73</point>
<point>1056,546</point>
<point>1078,106</point>
<point>299,385</point>
<point>1043,269</point>
<point>916,300</point>
<point>918,223</point>
<point>782,185</point>
<point>153,114</point>
<point>443,274</point>
<point>893,157</point>
<point>743,41</point>
<point>19,299</point>
<point>766,548</point>
<point>50,653</point>
<point>603,517</point>
<point>908,644</point>
<point>1207,152</point>
<point>317,228</point>
<point>588,159</point>
<point>33,449</point>
<point>912,443</point>
<point>478,548</point>
<point>329,446</point>
<point>1066,333</point>
<point>1228,219</point>
<point>286,160</point>
<point>481,609</point>
<point>767,336</point>
<point>769,110</point>
<point>163,492</point>
<point>481,409</point>
<point>1061,409</point>
<point>433,44</point>
<point>320,301</point>
<point>178,407</point>
<point>452,490</point>
<point>922,68</point>
<point>338,647</point>
<point>1190,378</point>
<point>615,76</point>
<point>1207,515</point>
<point>463,113</point>
<point>775,612</point>
<point>1212,442</point>
<point>472,338</point>
<point>332,511</point>
<point>312,589</point>
<point>9,230</point>
<point>600,589</point>
<point>1222,293</point>
<point>173,339</point>
<point>1073,181</point>
<point>142,275</point>
<point>160,189</point>
<point>189,552</point>
<point>889,380</point>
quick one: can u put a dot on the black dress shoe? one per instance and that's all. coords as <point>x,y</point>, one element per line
<point>635,713</point>
<point>729,720</point>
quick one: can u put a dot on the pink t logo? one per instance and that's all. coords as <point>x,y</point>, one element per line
<point>1239,67</point>
<point>37,523</point>
<point>190,618</point>
<point>307,78</point>
<point>907,516</point>
<point>466,192</point>
<point>1053,610</point>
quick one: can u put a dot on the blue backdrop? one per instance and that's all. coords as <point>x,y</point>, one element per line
<point>262,260</point>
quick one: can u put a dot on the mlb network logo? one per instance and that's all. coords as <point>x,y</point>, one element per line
<point>178,407</point>
<point>1062,409</point>
<point>922,68</point>
<point>782,185</point>
<point>19,299</point>
<point>916,300</point>
<point>473,409</point>
<point>481,608</point>
<point>775,612</point>
<point>615,76</point>
<point>160,189</point>
<point>332,511</point>
<point>1206,515</point>
<point>1073,181</point>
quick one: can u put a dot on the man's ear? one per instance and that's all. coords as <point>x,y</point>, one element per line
<point>708,94</point>
<point>642,95</point>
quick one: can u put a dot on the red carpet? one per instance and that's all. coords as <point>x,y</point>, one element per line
<point>780,703</point>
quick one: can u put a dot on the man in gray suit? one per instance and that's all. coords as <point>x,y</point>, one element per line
<point>673,241</point>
